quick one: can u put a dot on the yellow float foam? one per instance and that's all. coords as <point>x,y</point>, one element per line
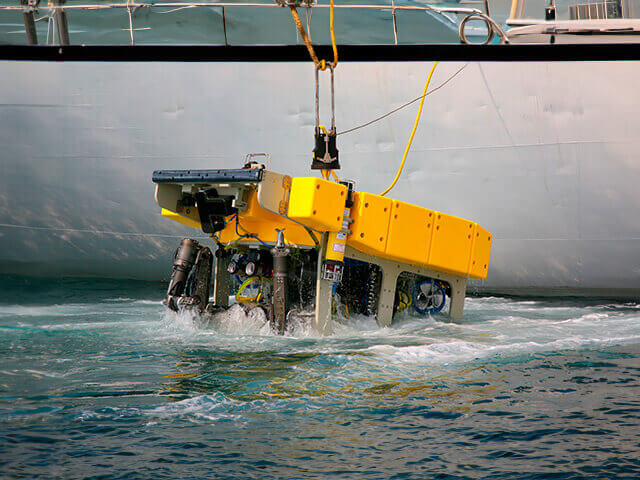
<point>262,223</point>
<point>317,203</point>
<point>480,253</point>
<point>370,214</point>
<point>409,237</point>
<point>451,242</point>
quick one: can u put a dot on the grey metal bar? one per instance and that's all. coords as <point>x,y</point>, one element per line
<point>225,175</point>
<point>322,319</point>
<point>224,26</point>
<point>30,28</point>
<point>61,23</point>
<point>221,280</point>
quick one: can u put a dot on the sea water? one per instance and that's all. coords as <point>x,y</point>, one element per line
<point>98,380</point>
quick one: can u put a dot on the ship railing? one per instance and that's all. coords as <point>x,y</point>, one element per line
<point>482,3</point>
<point>594,11</point>
<point>455,17</point>
<point>530,13</point>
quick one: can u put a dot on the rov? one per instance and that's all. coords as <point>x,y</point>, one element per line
<point>313,247</point>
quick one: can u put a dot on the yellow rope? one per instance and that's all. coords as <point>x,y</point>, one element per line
<point>312,53</point>
<point>303,34</point>
<point>413,132</point>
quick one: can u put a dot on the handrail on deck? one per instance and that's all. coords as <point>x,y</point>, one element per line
<point>58,9</point>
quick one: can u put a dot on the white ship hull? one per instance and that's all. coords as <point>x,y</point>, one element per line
<point>543,155</point>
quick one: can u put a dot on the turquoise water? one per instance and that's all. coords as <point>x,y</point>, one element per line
<point>97,380</point>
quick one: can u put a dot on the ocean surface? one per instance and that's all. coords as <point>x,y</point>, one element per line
<point>97,380</point>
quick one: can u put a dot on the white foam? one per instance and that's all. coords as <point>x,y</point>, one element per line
<point>42,311</point>
<point>204,407</point>
<point>208,408</point>
<point>148,302</point>
<point>492,326</point>
<point>530,327</point>
<point>460,351</point>
<point>237,321</point>
<point>40,373</point>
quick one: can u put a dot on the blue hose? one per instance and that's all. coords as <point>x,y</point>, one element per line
<point>249,235</point>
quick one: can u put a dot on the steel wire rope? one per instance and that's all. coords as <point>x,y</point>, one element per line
<point>320,65</point>
<point>381,117</point>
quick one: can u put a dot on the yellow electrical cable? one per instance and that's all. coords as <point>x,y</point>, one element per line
<point>333,36</point>
<point>514,9</point>
<point>413,132</point>
<point>239,294</point>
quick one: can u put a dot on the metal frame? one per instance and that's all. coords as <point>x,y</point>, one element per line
<point>391,270</point>
<point>322,319</point>
<point>221,280</point>
<point>30,26</point>
<point>62,25</point>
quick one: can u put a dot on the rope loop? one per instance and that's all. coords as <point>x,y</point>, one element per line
<point>320,64</point>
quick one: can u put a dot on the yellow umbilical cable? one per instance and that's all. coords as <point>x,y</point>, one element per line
<point>413,132</point>
<point>333,36</point>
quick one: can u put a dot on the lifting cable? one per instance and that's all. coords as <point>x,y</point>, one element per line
<point>321,64</point>
<point>413,131</point>
<point>381,117</point>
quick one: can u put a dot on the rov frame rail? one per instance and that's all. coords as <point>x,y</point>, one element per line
<point>314,247</point>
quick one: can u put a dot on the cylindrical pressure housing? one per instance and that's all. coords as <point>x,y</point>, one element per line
<point>333,263</point>
<point>279,295</point>
<point>182,264</point>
